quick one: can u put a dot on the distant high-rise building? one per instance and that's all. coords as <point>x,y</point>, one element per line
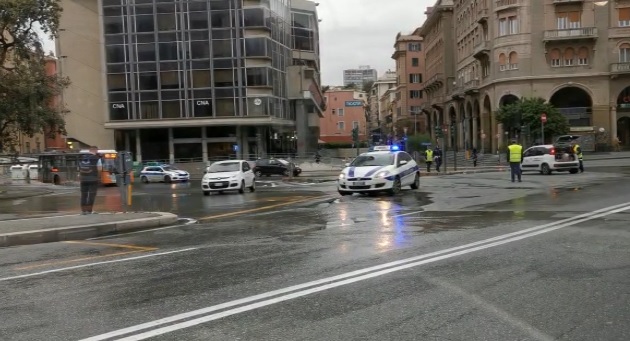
<point>360,76</point>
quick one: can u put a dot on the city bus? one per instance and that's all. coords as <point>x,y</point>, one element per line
<point>58,168</point>
<point>108,160</point>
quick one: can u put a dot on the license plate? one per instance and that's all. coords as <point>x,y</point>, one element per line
<point>359,183</point>
<point>219,185</point>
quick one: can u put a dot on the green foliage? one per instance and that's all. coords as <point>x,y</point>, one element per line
<point>27,93</point>
<point>367,86</point>
<point>527,112</point>
<point>414,142</point>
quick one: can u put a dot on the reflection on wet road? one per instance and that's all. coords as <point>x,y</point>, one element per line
<point>461,259</point>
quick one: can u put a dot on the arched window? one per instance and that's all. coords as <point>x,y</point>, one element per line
<point>554,57</point>
<point>513,60</point>
<point>624,53</point>
<point>502,62</point>
<point>583,56</point>
<point>569,55</point>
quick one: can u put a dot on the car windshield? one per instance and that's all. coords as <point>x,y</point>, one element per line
<point>384,159</point>
<point>224,167</point>
<point>284,162</point>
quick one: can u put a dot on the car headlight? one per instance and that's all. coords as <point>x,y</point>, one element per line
<point>382,174</point>
<point>342,176</point>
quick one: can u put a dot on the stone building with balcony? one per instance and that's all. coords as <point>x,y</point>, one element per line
<point>439,66</point>
<point>409,57</point>
<point>573,53</point>
<point>376,118</point>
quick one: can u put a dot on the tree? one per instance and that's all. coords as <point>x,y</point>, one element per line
<point>527,113</point>
<point>367,87</point>
<point>350,86</point>
<point>27,92</point>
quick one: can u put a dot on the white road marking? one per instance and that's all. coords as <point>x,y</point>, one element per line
<point>294,295</point>
<point>95,264</point>
<point>339,280</point>
<point>120,235</point>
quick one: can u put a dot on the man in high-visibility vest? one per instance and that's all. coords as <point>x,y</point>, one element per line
<point>428,155</point>
<point>578,152</point>
<point>515,158</point>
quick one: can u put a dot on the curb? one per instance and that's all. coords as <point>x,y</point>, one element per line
<point>9,196</point>
<point>85,231</point>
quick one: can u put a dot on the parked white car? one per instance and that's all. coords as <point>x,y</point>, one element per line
<point>164,173</point>
<point>232,175</point>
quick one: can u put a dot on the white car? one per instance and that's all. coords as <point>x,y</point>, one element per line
<point>230,175</point>
<point>379,171</point>
<point>163,173</point>
<point>550,158</point>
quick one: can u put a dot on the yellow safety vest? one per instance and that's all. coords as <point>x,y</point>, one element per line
<point>429,155</point>
<point>579,154</point>
<point>516,152</point>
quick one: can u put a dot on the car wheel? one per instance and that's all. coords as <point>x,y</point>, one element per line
<point>253,187</point>
<point>396,187</point>
<point>286,172</point>
<point>167,179</point>
<point>206,193</point>
<point>242,188</point>
<point>416,182</point>
<point>258,174</point>
<point>574,171</point>
<point>344,193</point>
<point>144,179</point>
<point>545,169</point>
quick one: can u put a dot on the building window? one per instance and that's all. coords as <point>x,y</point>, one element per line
<point>624,53</point>
<point>414,47</point>
<point>355,125</point>
<point>502,62</point>
<point>340,112</point>
<point>258,76</point>
<point>341,125</point>
<point>583,56</point>
<point>566,20</point>
<point>415,94</point>
<point>554,57</point>
<point>503,26</point>
<point>415,78</point>
<point>569,55</point>
<point>415,62</point>
<point>512,25</point>
<point>624,16</point>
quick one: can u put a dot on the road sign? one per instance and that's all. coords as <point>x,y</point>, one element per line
<point>543,117</point>
<point>483,136</point>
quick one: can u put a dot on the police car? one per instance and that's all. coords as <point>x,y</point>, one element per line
<point>384,169</point>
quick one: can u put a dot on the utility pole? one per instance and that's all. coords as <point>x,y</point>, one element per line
<point>355,138</point>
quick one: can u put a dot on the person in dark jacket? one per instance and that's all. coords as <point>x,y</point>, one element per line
<point>90,167</point>
<point>437,155</point>
<point>475,157</point>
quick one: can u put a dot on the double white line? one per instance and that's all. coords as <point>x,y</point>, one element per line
<point>193,318</point>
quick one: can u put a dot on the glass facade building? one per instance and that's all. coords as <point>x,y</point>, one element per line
<point>188,59</point>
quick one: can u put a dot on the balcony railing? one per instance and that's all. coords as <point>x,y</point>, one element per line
<point>576,113</point>
<point>566,1</point>
<point>500,4</point>
<point>620,67</point>
<point>571,33</point>
<point>481,48</point>
<point>471,85</point>
<point>433,81</point>
<point>482,14</point>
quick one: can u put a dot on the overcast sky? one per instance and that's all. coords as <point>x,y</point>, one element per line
<point>362,32</point>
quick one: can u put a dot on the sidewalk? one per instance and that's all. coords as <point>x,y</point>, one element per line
<point>606,156</point>
<point>71,227</point>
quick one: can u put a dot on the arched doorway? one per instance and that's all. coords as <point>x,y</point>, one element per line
<point>623,123</point>
<point>508,99</point>
<point>575,104</point>
<point>477,127</point>
<point>491,129</point>
<point>452,116</point>
<point>623,131</point>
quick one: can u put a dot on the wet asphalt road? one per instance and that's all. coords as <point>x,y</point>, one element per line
<point>552,270</point>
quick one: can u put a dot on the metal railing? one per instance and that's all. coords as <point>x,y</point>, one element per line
<point>571,33</point>
<point>620,67</point>
<point>505,3</point>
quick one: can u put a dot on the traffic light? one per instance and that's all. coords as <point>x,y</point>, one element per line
<point>355,135</point>
<point>438,132</point>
